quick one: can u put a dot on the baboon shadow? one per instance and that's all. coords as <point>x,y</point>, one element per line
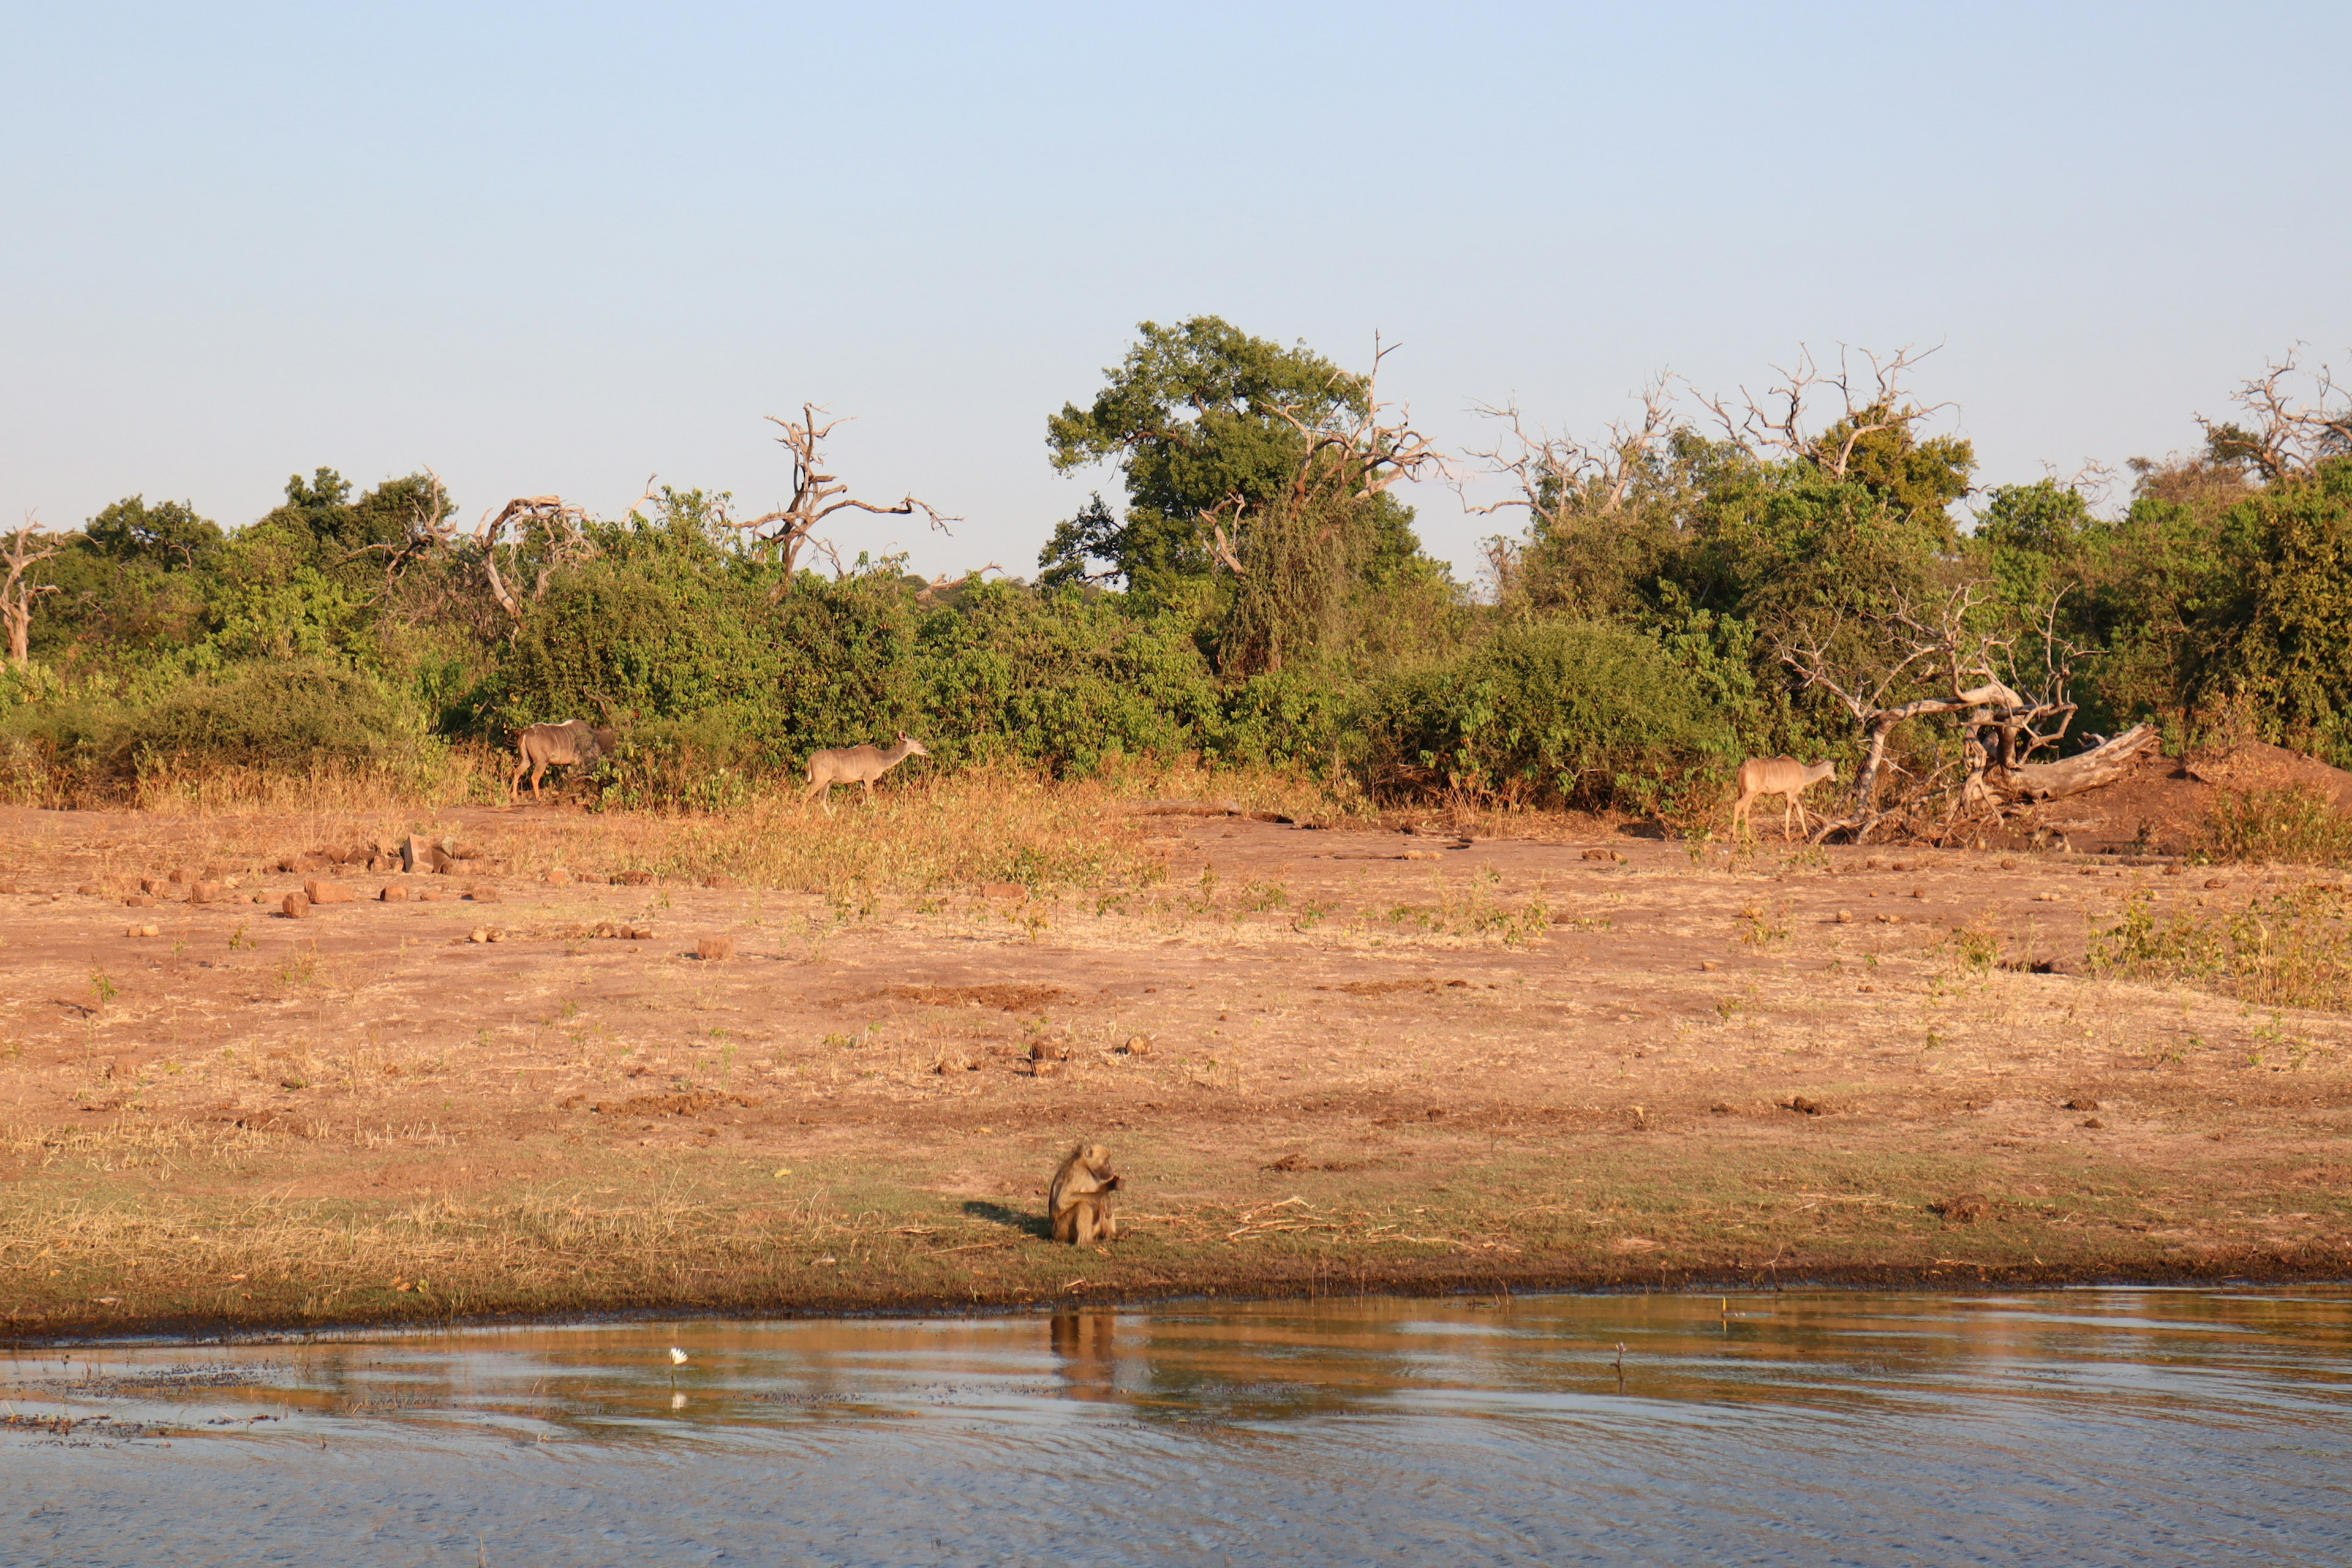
<point>1012,1219</point>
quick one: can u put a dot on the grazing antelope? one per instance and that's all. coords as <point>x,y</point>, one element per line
<point>856,764</point>
<point>1784,776</point>
<point>576,742</point>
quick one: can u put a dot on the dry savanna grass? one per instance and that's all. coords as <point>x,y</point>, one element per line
<point>774,1058</point>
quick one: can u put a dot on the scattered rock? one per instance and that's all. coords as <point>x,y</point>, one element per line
<point>483,893</point>
<point>2172,869</point>
<point>1846,917</point>
<point>1918,893</point>
<point>1964,1208</point>
<point>153,884</point>
<point>1136,1045</point>
<point>1291,1163</point>
<point>393,893</point>
<point>2084,1102</point>
<point>638,934</point>
<point>204,892</point>
<point>184,874</point>
<point>2093,1122</point>
<point>141,930</point>
<point>1720,1109</point>
<point>261,897</point>
<point>1709,963</point>
<point>319,891</point>
<point>1890,919</point>
<point>1805,1107</point>
<point>430,896</point>
<point>2214,884</point>
<point>1046,1051</point>
<point>296,907</point>
<point>715,948</point>
<point>419,855</point>
<point>2007,864</point>
<point>559,877</point>
<point>140,900</point>
<point>480,933</point>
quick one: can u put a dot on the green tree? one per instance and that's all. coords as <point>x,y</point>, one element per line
<point>169,533</point>
<point>1194,419</point>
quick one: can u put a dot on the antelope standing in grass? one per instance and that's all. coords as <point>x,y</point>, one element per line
<point>575,742</point>
<point>1784,776</point>
<point>856,764</point>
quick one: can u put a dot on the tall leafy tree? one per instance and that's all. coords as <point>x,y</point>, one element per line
<point>1194,419</point>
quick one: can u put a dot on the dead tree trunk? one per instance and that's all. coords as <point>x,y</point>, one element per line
<point>19,593</point>
<point>2088,770</point>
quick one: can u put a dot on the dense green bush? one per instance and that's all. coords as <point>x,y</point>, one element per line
<point>290,716</point>
<point>1578,713</point>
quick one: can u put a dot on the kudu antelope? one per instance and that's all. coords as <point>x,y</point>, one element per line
<point>856,764</point>
<point>574,742</point>
<point>1784,776</point>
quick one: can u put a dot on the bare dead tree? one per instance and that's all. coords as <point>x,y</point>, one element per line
<point>818,495</point>
<point>1961,669</point>
<point>2293,427</point>
<point>1782,420</point>
<point>1553,474</point>
<point>26,548</point>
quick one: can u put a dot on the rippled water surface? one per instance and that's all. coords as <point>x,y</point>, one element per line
<point>2087,1426</point>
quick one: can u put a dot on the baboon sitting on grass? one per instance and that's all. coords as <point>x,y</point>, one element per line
<point>1079,1199</point>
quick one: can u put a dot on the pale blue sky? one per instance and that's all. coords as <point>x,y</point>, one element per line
<point>558,248</point>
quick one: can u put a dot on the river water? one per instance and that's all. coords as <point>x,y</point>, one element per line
<point>2085,1427</point>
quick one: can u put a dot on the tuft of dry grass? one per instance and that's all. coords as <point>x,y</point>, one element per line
<point>2296,824</point>
<point>2291,950</point>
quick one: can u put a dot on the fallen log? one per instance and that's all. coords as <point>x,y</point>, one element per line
<point>2086,771</point>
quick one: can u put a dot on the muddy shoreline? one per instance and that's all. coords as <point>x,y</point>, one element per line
<point>1458,1059</point>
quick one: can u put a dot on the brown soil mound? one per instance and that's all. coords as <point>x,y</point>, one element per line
<point>2257,766</point>
<point>2164,805</point>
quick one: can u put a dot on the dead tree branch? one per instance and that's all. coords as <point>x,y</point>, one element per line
<point>1552,473</point>
<point>1780,420</point>
<point>545,531</point>
<point>818,495</point>
<point>1352,455</point>
<point>2293,429</point>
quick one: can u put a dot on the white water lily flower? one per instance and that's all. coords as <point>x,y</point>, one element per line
<point>676,1356</point>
